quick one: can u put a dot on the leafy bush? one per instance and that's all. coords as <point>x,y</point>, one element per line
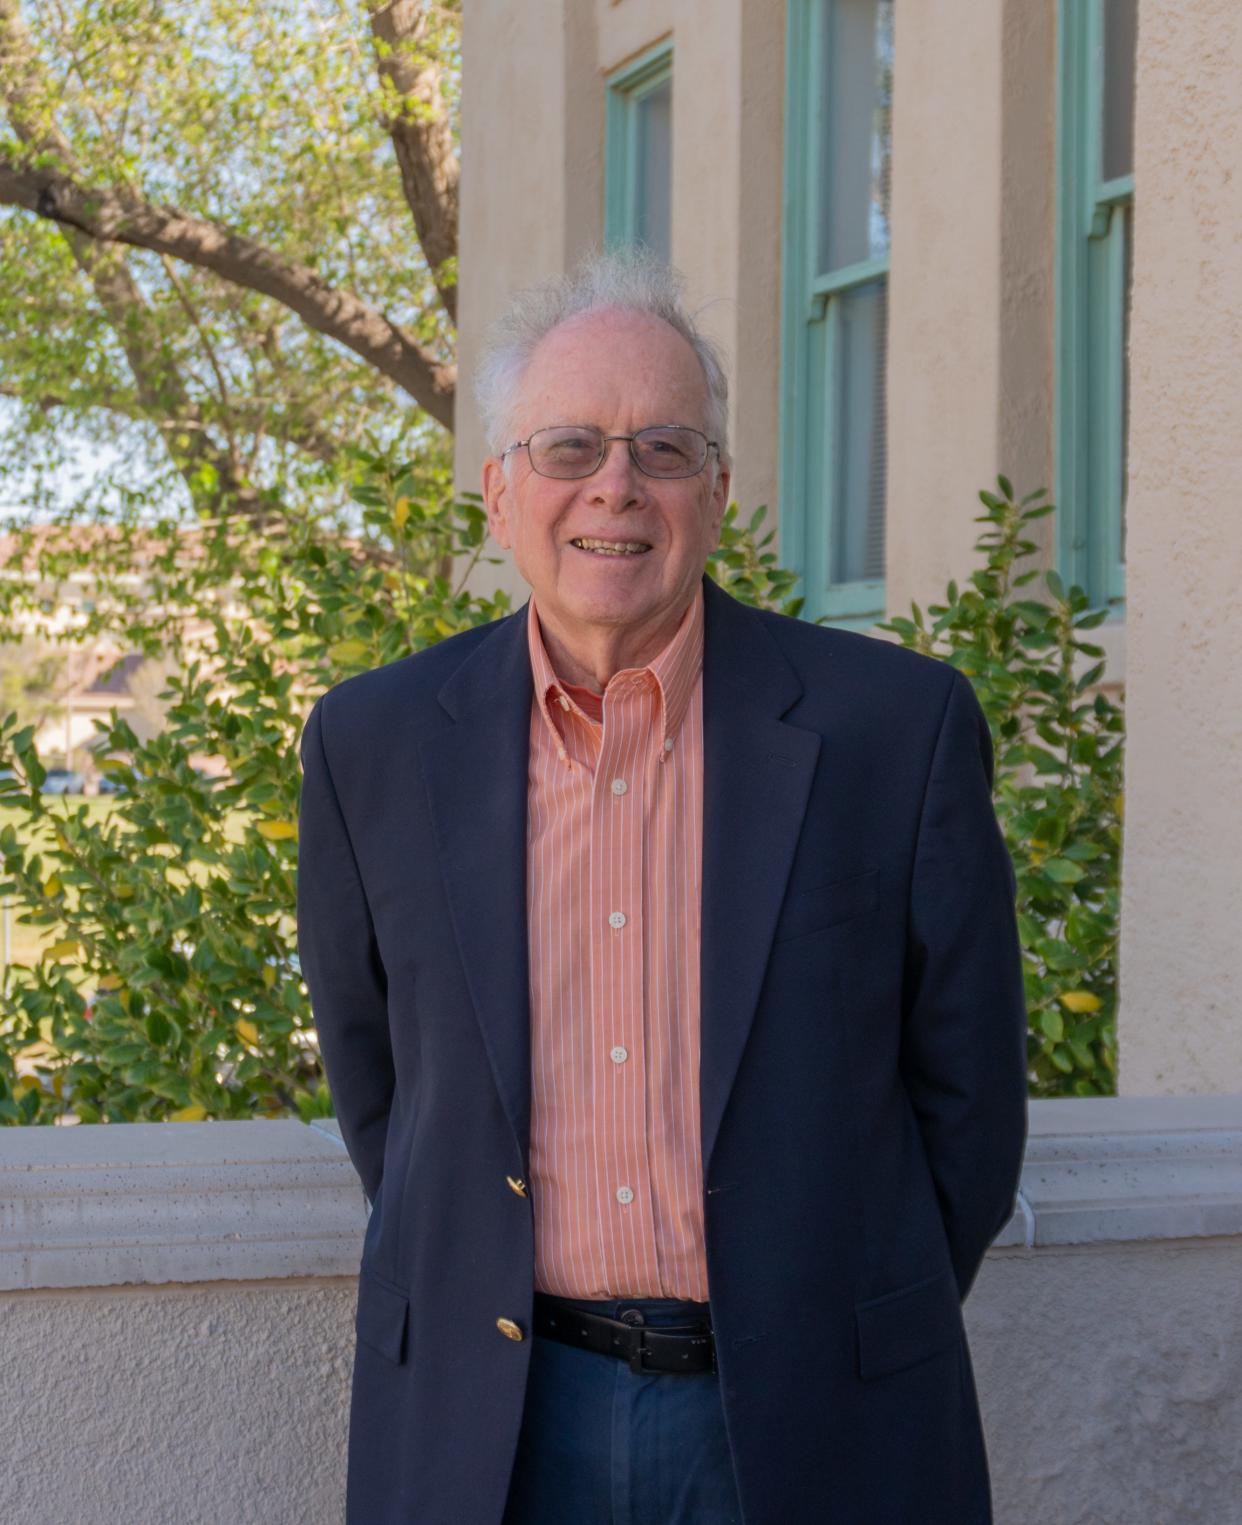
<point>1059,785</point>
<point>743,565</point>
<point>169,986</point>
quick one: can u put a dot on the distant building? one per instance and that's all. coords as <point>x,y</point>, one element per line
<point>98,674</point>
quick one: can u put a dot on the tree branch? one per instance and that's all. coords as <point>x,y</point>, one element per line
<point>118,216</point>
<point>160,388</point>
<point>299,433</point>
<point>418,125</point>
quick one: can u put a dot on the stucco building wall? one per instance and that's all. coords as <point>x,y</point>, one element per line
<point>970,390</point>
<point>971,364</point>
<point>535,85</point>
<point>1181,977</point>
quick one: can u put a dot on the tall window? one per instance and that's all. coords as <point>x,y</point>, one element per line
<point>838,156</point>
<point>639,153</point>
<point>1095,221</point>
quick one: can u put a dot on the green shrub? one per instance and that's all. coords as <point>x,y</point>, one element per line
<point>168,985</point>
<point>1058,785</point>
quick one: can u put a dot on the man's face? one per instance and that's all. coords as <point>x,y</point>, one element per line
<point>621,371</point>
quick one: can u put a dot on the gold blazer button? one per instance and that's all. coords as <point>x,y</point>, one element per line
<point>509,1329</point>
<point>517,1186</point>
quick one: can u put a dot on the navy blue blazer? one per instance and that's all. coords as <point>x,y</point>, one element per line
<point>863,1070</point>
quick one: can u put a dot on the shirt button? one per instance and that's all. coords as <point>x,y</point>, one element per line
<point>668,743</point>
<point>619,1054</point>
<point>616,920</point>
<point>625,1194</point>
<point>619,786</point>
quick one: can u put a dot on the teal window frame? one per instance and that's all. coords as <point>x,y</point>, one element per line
<point>627,87</point>
<point>1094,225</point>
<point>811,337</point>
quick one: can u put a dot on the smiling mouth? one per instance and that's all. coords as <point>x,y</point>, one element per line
<point>610,547</point>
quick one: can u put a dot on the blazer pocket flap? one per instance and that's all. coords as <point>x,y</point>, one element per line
<point>812,910</point>
<point>382,1317</point>
<point>908,1326</point>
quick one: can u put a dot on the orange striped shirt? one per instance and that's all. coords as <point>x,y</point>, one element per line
<point>614,860</point>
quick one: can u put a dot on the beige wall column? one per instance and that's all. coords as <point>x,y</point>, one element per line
<point>1180,1026</point>
<point>532,136</point>
<point>970,288</point>
<point>728,91</point>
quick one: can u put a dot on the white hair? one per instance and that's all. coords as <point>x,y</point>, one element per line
<point>631,278</point>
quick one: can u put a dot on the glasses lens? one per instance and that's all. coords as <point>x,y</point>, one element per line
<point>664,452</point>
<point>566,451</point>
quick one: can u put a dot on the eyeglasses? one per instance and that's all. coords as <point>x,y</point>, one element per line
<point>568,451</point>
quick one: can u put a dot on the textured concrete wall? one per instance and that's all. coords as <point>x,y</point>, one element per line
<point>1181,978</point>
<point>970,289</point>
<point>211,1405</point>
<point>1106,1323</point>
<point>1110,1378</point>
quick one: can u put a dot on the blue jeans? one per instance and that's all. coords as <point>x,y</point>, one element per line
<point>602,1445</point>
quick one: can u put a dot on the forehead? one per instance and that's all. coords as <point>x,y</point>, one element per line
<point>611,367</point>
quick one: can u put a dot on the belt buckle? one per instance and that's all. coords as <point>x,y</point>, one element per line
<point>636,1360</point>
<point>639,1369</point>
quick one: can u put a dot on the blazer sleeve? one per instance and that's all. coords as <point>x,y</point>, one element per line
<point>963,1055</point>
<point>341,965</point>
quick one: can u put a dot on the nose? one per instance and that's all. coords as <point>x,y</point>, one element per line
<point>616,483</point>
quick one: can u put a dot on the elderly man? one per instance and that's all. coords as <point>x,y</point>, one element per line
<point>664,961</point>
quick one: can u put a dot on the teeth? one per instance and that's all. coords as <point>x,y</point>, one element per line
<point>612,547</point>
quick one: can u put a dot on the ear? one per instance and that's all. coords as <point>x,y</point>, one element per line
<point>497,496</point>
<point>718,503</point>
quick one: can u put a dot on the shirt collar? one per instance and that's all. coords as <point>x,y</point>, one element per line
<point>675,670</point>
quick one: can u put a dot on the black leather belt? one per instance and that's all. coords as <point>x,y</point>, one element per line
<point>685,1348</point>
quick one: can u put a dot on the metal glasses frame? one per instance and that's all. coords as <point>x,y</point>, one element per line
<point>605,439</point>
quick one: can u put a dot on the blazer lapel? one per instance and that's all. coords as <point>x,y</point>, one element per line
<point>476,772</point>
<point>757,773</point>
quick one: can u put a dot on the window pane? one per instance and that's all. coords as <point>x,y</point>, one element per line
<point>859,435</point>
<point>1117,105</point>
<point>653,168</point>
<point>855,126</point>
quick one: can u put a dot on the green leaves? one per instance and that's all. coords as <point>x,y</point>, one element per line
<point>1058,783</point>
<point>1062,871</point>
<point>744,566</point>
<point>266,117</point>
<point>167,983</point>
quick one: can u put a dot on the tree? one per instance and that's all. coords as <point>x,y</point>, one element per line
<point>31,669</point>
<point>228,234</point>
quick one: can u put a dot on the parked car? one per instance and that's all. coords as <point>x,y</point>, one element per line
<point>62,781</point>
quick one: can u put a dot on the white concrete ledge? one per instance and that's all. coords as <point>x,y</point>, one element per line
<point>1134,1168</point>
<point>145,1203</point>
